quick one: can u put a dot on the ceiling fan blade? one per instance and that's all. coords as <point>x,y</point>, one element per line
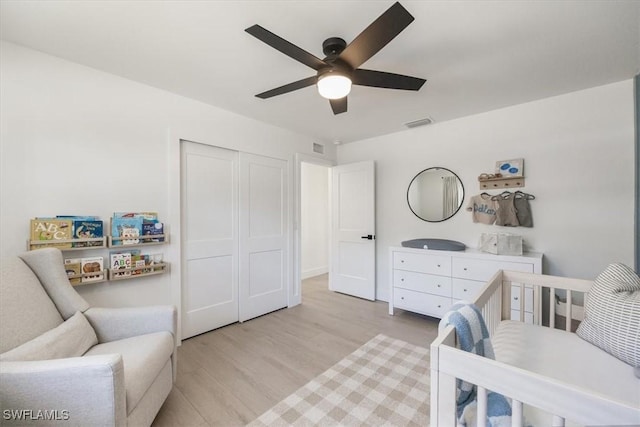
<point>376,36</point>
<point>286,47</point>
<point>309,81</point>
<point>339,105</point>
<point>385,80</point>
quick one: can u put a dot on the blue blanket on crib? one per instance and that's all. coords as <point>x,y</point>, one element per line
<point>473,337</point>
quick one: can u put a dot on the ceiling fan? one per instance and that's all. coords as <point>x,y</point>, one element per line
<point>339,69</point>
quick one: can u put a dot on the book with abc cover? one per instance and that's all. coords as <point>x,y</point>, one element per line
<point>120,261</point>
<point>45,229</point>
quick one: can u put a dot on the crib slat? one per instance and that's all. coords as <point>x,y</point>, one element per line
<point>552,308</point>
<point>516,413</point>
<point>568,312</point>
<point>482,407</point>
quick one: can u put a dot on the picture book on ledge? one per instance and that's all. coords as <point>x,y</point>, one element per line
<point>90,266</point>
<point>51,229</point>
<point>73,267</point>
<point>120,261</point>
<point>85,227</point>
<point>127,230</point>
<point>128,227</point>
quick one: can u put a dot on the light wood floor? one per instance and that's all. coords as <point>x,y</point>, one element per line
<point>232,375</point>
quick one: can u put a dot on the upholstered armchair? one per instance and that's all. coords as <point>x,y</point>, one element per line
<point>63,362</point>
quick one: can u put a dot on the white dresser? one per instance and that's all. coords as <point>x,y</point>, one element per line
<point>429,282</point>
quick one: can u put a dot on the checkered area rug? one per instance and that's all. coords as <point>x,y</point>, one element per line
<point>383,383</point>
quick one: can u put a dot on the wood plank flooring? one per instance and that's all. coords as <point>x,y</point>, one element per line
<point>230,376</point>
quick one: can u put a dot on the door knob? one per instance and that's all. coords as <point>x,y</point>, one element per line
<point>368,237</point>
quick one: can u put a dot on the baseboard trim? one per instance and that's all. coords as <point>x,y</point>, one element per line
<point>314,272</point>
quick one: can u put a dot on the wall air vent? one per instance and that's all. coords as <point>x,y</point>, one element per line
<point>318,148</point>
<point>421,122</point>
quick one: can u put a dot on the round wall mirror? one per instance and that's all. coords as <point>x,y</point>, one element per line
<point>435,194</point>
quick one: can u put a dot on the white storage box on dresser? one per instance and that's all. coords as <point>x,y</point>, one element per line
<point>430,281</point>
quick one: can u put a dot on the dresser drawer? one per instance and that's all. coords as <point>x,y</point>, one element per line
<point>465,289</point>
<point>516,297</point>
<point>418,302</point>
<point>423,263</point>
<point>483,270</point>
<point>421,282</point>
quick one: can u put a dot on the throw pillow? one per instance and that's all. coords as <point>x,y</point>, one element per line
<point>71,339</point>
<point>612,314</point>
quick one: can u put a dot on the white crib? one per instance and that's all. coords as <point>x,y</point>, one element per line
<point>552,376</point>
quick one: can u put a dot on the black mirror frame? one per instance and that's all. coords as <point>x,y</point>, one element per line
<point>443,219</point>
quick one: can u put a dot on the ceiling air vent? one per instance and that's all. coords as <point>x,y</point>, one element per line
<point>318,148</point>
<point>421,122</point>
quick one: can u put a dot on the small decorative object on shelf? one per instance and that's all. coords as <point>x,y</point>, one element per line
<point>513,168</point>
<point>508,174</point>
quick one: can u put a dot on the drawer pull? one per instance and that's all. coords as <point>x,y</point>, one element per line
<point>402,280</point>
<point>439,306</point>
<point>515,298</point>
<point>464,290</point>
<point>439,286</point>
<point>401,297</point>
<point>438,265</point>
<point>402,261</point>
<point>465,269</point>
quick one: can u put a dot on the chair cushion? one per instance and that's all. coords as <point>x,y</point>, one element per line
<point>70,339</point>
<point>48,266</point>
<point>612,314</point>
<point>143,358</point>
<point>26,311</point>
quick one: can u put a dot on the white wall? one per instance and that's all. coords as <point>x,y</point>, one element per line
<point>314,212</point>
<point>579,163</point>
<point>75,140</point>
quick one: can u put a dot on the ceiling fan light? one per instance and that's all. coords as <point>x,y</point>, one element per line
<point>334,86</point>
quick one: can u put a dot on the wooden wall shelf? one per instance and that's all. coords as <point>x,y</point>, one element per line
<point>136,272</point>
<point>93,243</point>
<point>493,183</point>
<point>102,273</point>
<point>145,240</point>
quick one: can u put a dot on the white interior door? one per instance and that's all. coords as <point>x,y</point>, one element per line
<point>264,236</point>
<point>353,249</point>
<point>210,238</point>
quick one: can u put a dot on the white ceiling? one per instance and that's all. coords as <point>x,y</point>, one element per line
<point>476,55</point>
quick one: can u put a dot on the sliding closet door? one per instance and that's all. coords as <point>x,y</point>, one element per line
<point>264,239</point>
<point>210,238</point>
